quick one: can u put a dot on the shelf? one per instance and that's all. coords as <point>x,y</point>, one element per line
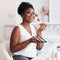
<point>46,22</point>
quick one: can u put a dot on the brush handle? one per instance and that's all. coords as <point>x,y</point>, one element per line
<point>40,39</point>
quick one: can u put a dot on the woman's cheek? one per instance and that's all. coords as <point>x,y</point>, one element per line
<point>33,17</point>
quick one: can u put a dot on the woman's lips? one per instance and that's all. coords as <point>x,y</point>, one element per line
<point>31,17</point>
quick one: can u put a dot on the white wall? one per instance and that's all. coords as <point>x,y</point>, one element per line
<point>7,14</point>
<point>54,10</point>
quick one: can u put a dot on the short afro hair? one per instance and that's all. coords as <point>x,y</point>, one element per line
<point>23,6</point>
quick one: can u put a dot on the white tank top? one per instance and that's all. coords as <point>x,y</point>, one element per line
<point>30,50</point>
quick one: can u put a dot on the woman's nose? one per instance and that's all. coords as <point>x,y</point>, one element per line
<point>32,14</point>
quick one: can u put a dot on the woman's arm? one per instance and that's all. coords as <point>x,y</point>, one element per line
<point>39,44</point>
<point>15,46</point>
<point>42,28</point>
<point>39,33</point>
<point>14,41</point>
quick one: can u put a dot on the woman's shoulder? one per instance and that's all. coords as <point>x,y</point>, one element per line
<point>16,28</point>
<point>33,26</point>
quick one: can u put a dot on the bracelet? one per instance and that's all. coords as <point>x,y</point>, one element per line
<point>39,38</point>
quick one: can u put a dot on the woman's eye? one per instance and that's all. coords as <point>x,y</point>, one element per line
<point>33,13</point>
<point>28,12</point>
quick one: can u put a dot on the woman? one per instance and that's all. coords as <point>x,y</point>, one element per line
<point>23,45</point>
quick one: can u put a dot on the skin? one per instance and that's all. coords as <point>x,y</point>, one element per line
<point>28,16</point>
<point>39,33</point>
<point>42,28</point>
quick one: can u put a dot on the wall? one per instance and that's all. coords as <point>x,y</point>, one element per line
<point>55,11</point>
<point>7,14</point>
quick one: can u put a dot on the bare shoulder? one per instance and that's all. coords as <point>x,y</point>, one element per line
<point>16,28</point>
<point>15,32</point>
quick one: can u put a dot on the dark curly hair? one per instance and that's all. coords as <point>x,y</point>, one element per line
<point>23,6</point>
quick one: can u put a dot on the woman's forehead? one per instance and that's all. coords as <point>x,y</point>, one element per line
<point>29,9</point>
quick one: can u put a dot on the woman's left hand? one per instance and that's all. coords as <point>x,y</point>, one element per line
<point>42,26</point>
<point>39,46</point>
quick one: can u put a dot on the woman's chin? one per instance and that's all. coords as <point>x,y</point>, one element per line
<point>31,20</point>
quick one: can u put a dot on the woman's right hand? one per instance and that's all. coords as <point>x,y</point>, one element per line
<point>34,40</point>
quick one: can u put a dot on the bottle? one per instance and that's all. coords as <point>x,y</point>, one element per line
<point>53,57</point>
<point>58,53</point>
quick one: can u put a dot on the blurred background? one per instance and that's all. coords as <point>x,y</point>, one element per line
<point>47,11</point>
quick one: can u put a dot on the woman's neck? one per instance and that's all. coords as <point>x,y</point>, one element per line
<point>25,23</point>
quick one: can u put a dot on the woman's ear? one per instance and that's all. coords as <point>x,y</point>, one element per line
<point>22,14</point>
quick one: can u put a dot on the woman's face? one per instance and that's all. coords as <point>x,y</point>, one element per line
<point>28,15</point>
